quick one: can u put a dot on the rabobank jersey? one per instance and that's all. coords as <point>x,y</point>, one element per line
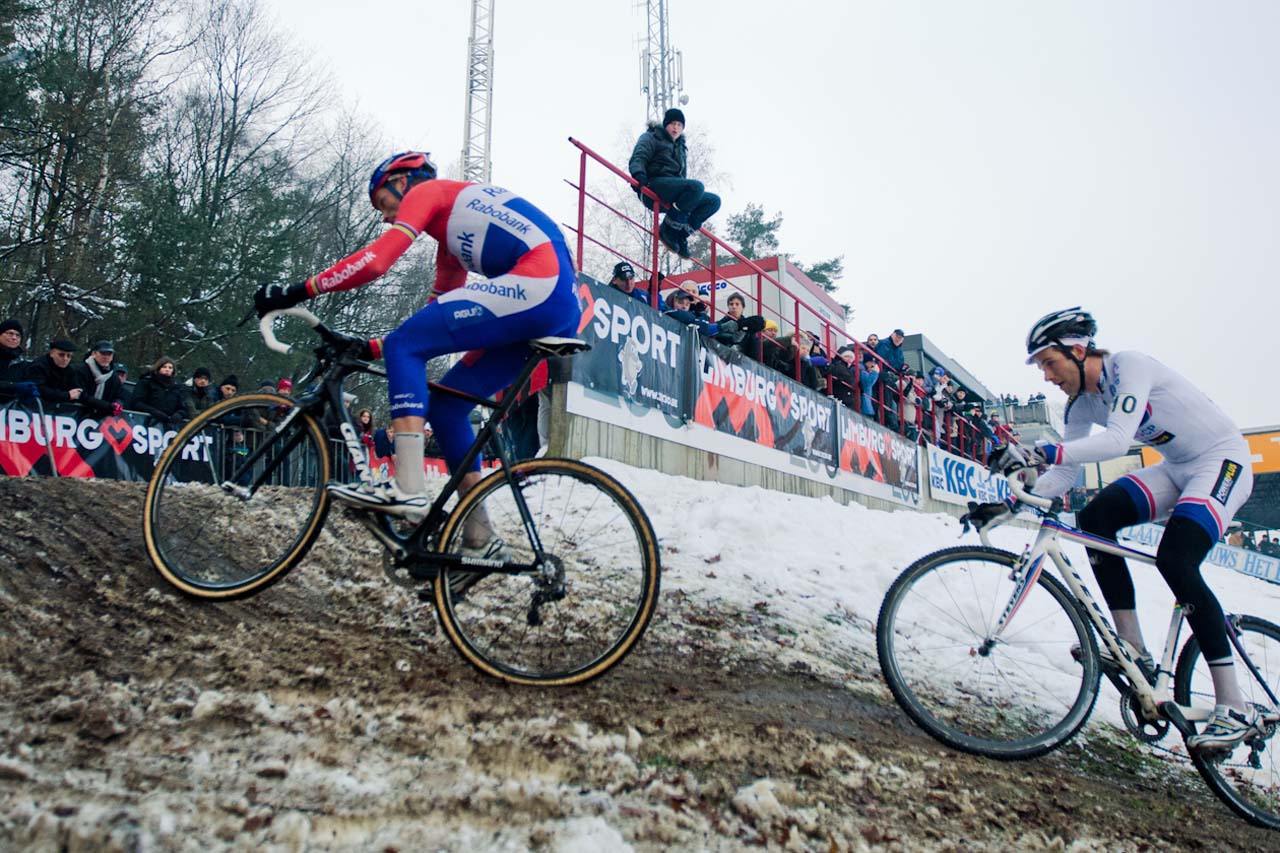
<point>481,228</point>
<point>1137,399</point>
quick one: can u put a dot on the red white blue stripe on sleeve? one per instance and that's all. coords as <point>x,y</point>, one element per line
<point>1052,453</point>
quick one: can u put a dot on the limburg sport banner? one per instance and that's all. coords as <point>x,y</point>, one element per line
<point>123,447</point>
<point>636,354</point>
<point>877,453</point>
<point>742,397</point>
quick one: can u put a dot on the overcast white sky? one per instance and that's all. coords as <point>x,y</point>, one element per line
<point>977,164</point>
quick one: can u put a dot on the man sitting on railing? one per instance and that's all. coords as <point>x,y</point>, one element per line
<point>659,162</point>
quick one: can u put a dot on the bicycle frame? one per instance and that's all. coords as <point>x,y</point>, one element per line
<point>1048,544</point>
<point>327,396</point>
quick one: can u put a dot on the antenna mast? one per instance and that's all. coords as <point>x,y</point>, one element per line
<point>661,67</point>
<point>477,129</point>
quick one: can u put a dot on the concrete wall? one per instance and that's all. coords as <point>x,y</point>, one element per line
<point>575,436</point>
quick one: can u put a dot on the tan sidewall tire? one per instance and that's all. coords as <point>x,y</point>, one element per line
<point>648,539</point>
<point>175,447</point>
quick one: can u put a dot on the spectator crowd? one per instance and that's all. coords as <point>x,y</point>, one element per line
<point>100,386</point>
<point>871,377</point>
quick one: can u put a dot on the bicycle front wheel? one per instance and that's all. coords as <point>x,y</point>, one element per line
<point>1015,695</point>
<point>1248,778</point>
<point>233,503</point>
<point>592,598</point>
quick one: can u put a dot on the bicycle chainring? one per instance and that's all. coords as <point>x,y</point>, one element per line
<point>1135,721</point>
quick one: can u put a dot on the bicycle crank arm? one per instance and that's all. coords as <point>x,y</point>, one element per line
<point>1172,712</point>
<point>371,524</point>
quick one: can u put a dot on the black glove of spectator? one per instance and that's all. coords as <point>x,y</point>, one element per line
<point>754,323</point>
<point>642,178</point>
<point>980,515</point>
<point>277,297</point>
<point>1013,457</point>
<point>26,390</point>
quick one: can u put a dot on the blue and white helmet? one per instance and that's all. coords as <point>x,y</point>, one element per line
<point>1068,327</point>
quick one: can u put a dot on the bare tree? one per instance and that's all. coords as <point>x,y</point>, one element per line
<point>89,91</point>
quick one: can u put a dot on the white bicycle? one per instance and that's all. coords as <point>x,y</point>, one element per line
<point>991,655</point>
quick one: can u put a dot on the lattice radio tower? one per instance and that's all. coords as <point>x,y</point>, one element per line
<point>661,67</point>
<point>477,128</point>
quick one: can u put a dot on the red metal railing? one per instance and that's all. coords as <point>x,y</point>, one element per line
<point>948,429</point>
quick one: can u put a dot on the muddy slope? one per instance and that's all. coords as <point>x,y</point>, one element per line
<point>327,713</point>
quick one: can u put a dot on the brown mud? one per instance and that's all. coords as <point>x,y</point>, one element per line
<point>329,713</point>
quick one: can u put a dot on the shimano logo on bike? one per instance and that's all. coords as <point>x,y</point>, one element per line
<point>480,561</point>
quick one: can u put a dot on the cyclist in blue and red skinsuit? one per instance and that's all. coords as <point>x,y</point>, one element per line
<point>527,292</point>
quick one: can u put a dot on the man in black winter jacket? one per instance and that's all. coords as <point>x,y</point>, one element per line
<point>659,162</point>
<point>97,376</point>
<point>13,367</point>
<point>53,375</point>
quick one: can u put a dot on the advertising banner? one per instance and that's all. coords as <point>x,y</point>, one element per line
<point>123,447</point>
<point>636,354</point>
<point>743,398</point>
<point>1228,557</point>
<point>869,450</point>
<point>956,480</point>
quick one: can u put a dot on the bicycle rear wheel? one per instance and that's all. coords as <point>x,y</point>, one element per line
<point>591,602</point>
<point>1247,779</point>
<point>233,504</point>
<point>1015,696</point>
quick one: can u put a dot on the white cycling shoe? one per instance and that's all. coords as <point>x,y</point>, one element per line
<point>382,497</point>
<point>1226,728</point>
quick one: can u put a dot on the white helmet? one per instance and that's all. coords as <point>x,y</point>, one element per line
<point>1066,328</point>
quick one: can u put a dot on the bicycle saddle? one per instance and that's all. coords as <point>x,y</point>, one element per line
<point>559,346</point>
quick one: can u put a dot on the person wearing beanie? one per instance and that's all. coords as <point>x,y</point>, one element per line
<point>203,394</point>
<point>285,387</point>
<point>12,364</point>
<point>659,164</point>
<point>228,387</point>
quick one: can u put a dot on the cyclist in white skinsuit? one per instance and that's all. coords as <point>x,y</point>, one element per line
<point>1203,481</point>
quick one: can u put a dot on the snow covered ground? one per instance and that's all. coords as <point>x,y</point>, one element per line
<point>825,567</point>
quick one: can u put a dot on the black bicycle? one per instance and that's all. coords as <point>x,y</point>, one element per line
<point>239,496</point>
